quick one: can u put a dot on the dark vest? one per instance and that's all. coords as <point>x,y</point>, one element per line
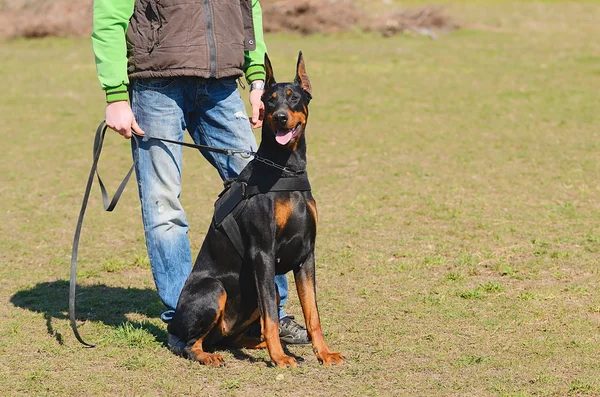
<point>201,38</point>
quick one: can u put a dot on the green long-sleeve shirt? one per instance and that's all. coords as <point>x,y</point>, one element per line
<point>111,19</point>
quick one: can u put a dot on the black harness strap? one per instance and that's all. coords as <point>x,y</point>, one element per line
<point>297,184</point>
<point>232,230</point>
<point>237,192</point>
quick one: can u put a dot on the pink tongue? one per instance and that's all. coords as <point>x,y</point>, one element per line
<point>283,137</point>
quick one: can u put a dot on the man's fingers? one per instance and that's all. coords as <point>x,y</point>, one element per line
<point>255,113</point>
<point>120,118</point>
<point>136,128</point>
<point>117,128</point>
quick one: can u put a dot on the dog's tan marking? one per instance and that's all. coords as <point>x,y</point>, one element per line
<point>197,350</point>
<point>312,207</point>
<point>270,333</point>
<point>283,212</point>
<point>253,317</point>
<point>225,327</point>
<point>307,296</point>
<point>296,118</point>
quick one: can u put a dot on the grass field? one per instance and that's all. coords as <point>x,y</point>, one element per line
<point>459,200</point>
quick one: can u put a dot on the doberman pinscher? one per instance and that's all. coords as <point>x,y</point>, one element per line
<point>271,230</point>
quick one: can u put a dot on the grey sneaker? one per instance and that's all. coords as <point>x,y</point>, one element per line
<point>291,332</point>
<point>167,315</point>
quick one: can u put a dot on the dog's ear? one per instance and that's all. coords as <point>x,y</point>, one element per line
<point>301,76</point>
<point>269,78</point>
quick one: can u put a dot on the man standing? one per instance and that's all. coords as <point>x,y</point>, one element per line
<point>168,66</point>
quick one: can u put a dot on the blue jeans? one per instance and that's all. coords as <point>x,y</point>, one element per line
<point>214,114</point>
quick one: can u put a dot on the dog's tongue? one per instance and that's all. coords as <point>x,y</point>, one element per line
<point>284,136</point>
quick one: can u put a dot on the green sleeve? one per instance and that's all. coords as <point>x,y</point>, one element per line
<point>254,67</point>
<point>110,21</point>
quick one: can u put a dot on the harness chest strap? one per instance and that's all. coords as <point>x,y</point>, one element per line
<point>237,192</point>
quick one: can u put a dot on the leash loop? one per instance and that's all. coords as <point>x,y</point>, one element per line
<point>109,205</point>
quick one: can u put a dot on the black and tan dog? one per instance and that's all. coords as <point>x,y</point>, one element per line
<point>265,224</point>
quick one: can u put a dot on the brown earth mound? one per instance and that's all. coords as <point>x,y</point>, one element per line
<point>422,21</point>
<point>41,18</point>
<point>311,16</point>
<point>329,16</point>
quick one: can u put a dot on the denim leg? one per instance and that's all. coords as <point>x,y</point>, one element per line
<point>220,120</point>
<point>158,108</point>
<point>282,287</point>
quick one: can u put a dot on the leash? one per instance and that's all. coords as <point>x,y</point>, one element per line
<point>232,152</point>
<point>110,205</point>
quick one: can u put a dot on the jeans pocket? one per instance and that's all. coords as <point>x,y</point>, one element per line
<point>156,84</point>
<point>228,83</point>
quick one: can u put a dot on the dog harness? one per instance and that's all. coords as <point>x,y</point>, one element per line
<point>233,199</point>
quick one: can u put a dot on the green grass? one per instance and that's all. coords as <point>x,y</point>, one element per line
<point>459,206</point>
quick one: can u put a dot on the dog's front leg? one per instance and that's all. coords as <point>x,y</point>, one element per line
<point>305,284</point>
<point>264,270</point>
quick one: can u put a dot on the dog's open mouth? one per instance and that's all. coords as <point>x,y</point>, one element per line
<point>284,136</point>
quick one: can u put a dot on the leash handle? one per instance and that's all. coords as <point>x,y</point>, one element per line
<point>98,141</point>
<point>99,137</point>
<point>108,206</point>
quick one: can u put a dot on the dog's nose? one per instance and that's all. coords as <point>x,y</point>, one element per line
<point>281,118</point>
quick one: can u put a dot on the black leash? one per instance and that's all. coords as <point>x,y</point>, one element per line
<point>232,152</point>
<point>110,205</point>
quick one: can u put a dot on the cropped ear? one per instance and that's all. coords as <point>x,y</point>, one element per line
<point>269,79</point>
<point>301,76</point>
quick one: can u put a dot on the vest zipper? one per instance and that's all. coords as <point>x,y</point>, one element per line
<point>210,35</point>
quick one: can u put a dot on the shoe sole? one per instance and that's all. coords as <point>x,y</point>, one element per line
<point>293,342</point>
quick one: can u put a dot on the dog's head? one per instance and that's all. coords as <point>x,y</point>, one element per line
<point>286,105</point>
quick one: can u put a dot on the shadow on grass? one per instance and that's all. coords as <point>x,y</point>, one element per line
<point>101,303</point>
<point>105,304</point>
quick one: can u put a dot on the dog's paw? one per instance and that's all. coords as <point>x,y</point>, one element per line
<point>329,358</point>
<point>285,362</point>
<point>215,360</point>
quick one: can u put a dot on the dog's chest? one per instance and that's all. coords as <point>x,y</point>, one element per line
<point>294,215</point>
<point>295,229</point>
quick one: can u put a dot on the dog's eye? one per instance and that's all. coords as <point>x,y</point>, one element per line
<point>294,98</point>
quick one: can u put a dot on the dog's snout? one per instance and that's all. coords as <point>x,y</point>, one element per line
<point>281,118</point>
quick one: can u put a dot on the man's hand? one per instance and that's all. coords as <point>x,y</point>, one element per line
<point>119,117</point>
<point>258,108</point>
